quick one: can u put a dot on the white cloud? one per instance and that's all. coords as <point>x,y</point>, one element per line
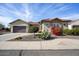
<point>56,8</point>
<point>5,20</point>
<point>72,16</point>
<point>11,6</point>
<point>53,6</point>
<point>25,15</point>
<point>28,13</point>
<point>62,8</point>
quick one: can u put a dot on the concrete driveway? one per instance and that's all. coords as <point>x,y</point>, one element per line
<point>10,36</point>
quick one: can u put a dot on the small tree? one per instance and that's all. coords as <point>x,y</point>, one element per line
<point>1,26</point>
<point>33,29</point>
<point>7,29</point>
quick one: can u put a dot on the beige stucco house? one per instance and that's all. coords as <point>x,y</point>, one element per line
<point>19,26</point>
<point>44,25</point>
<point>50,24</point>
<point>74,24</point>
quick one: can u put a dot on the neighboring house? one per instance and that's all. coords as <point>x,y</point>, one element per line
<point>74,24</point>
<point>19,26</point>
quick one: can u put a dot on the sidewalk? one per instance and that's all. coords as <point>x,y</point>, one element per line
<point>40,45</point>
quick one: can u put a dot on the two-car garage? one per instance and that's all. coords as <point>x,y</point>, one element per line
<point>19,26</point>
<point>19,29</point>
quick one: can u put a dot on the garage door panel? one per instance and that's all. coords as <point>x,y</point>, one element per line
<point>19,29</point>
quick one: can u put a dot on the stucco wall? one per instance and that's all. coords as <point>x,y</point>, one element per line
<point>19,23</point>
<point>70,27</point>
<point>47,28</point>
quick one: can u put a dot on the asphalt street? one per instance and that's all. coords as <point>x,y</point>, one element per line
<point>68,52</point>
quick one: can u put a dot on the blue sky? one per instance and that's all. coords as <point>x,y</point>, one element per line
<point>38,11</point>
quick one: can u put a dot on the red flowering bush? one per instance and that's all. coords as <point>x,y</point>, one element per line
<point>56,31</point>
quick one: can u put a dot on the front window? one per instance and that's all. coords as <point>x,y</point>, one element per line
<point>56,25</point>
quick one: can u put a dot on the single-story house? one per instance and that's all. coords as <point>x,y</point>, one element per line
<point>49,25</point>
<point>19,26</point>
<point>74,24</point>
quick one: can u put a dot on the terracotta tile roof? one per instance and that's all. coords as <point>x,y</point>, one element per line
<point>50,20</point>
<point>34,23</point>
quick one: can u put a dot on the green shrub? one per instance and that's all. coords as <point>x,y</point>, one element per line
<point>1,26</point>
<point>44,35</point>
<point>33,29</point>
<point>74,31</point>
<point>67,32</point>
<point>7,29</point>
<point>40,32</point>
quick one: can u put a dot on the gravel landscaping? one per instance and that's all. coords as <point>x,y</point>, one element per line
<point>28,38</point>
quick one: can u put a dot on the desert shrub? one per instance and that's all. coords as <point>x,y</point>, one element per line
<point>44,35</point>
<point>40,32</point>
